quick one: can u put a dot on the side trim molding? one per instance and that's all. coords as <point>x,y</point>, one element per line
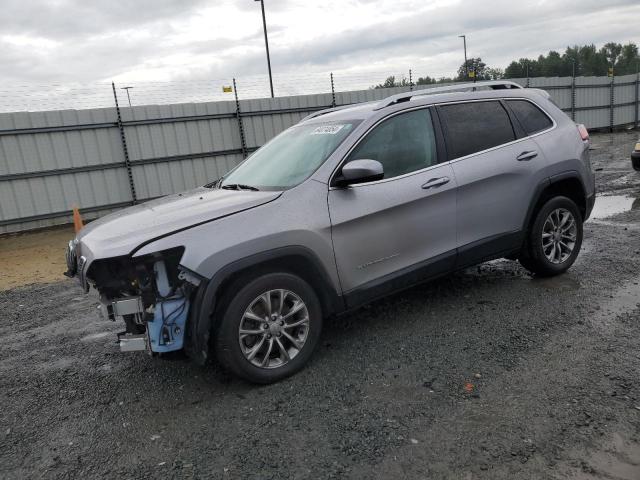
<point>490,248</point>
<point>400,280</point>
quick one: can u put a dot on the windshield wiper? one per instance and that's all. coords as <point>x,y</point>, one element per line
<point>239,186</point>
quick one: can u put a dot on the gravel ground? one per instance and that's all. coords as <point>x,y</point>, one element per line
<point>485,374</point>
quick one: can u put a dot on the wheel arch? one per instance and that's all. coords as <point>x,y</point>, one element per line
<point>296,260</point>
<point>567,184</point>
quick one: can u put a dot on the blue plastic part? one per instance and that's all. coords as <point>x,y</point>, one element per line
<point>166,331</point>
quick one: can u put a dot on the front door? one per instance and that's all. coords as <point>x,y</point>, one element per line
<point>396,231</point>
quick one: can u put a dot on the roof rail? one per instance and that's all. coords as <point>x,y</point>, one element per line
<point>405,97</point>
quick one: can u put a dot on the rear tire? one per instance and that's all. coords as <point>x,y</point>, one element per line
<point>554,239</point>
<point>268,327</point>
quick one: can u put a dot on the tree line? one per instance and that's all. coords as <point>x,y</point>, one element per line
<point>586,60</point>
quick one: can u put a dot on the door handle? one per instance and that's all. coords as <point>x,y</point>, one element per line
<point>436,182</point>
<point>524,156</point>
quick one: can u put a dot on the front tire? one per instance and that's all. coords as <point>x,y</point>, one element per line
<point>554,239</point>
<point>268,328</point>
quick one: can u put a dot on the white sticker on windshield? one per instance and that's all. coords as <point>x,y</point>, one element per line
<point>327,130</point>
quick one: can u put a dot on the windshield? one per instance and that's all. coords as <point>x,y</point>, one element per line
<point>290,158</point>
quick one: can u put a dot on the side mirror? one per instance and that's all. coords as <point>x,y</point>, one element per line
<point>360,171</point>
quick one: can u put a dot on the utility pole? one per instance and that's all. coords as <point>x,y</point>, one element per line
<point>466,67</point>
<point>266,43</point>
<point>128,97</point>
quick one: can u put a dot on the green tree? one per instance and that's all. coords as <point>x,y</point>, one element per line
<point>472,65</point>
<point>426,80</point>
<point>571,59</point>
<point>522,68</point>
<point>612,51</point>
<point>583,59</point>
<point>391,82</point>
<point>388,83</point>
<point>494,73</point>
<point>552,65</point>
<point>629,59</point>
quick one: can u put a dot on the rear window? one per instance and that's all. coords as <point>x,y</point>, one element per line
<point>475,126</point>
<point>532,119</point>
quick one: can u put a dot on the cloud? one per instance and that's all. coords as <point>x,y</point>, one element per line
<point>62,19</point>
<point>85,41</point>
<point>428,42</point>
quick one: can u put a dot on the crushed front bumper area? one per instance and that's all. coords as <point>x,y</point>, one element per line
<point>150,295</point>
<point>165,323</point>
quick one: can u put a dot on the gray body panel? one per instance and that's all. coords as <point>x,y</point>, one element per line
<point>389,225</point>
<point>564,150</point>
<point>495,190</point>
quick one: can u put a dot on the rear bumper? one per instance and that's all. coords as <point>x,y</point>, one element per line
<point>635,160</point>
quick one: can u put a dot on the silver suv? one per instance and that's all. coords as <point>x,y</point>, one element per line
<point>350,204</point>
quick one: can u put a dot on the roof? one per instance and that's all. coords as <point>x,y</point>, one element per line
<point>445,93</point>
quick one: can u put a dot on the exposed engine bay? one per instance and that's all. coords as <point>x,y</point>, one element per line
<point>150,294</point>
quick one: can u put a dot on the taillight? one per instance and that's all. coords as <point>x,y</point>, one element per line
<point>584,134</point>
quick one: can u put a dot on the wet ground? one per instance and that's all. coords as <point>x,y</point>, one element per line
<point>489,373</point>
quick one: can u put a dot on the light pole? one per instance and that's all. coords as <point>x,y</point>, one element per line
<point>266,43</point>
<point>128,97</point>
<point>466,67</point>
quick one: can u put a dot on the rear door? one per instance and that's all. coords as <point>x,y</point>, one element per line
<point>395,231</point>
<point>497,167</point>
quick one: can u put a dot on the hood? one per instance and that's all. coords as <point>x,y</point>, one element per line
<point>119,233</point>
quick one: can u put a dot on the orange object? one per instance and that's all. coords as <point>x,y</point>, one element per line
<point>77,220</point>
<point>468,387</point>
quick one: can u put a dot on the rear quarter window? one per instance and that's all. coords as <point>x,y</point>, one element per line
<point>532,119</point>
<point>475,126</point>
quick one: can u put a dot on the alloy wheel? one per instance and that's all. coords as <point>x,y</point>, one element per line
<point>274,328</point>
<point>559,234</point>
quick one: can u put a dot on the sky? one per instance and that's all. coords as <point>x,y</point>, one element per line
<point>196,42</point>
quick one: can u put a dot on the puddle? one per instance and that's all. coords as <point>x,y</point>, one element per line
<point>609,205</point>
<point>560,282</point>
<point>624,299</point>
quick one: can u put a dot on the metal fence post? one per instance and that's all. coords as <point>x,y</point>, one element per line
<point>125,150</point>
<point>333,92</point>
<point>611,104</point>
<point>243,142</point>
<point>410,80</point>
<point>637,99</point>
<point>573,93</point>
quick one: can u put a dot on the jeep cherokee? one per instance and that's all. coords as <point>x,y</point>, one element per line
<point>350,204</point>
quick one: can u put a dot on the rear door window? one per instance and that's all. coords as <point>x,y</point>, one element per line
<point>475,126</point>
<point>532,119</point>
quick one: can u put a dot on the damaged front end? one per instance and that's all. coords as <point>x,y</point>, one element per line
<point>151,294</point>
